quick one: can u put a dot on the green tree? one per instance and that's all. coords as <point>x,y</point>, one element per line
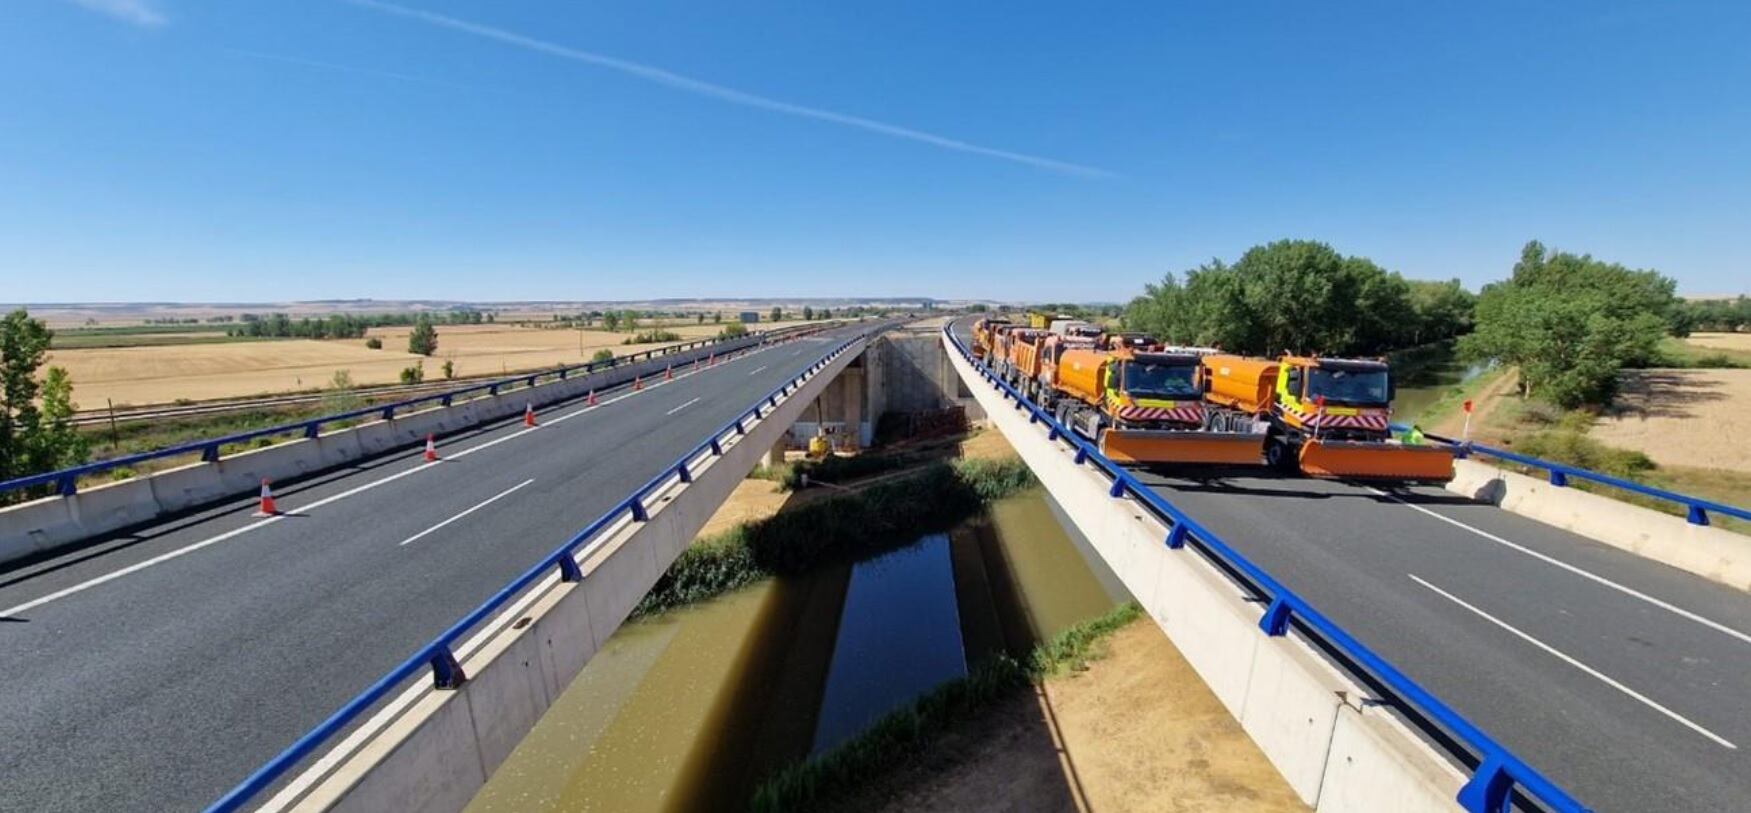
<point>611,321</point>
<point>777,314</point>
<point>732,330</point>
<point>414,374</point>
<point>717,317</point>
<point>374,343</point>
<point>808,313</point>
<point>36,433</point>
<point>1569,323</point>
<point>424,338</point>
<point>699,318</point>
<point>602,355</point>
<point>449,369</point>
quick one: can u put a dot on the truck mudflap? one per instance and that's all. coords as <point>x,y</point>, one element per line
<point>1190,446</point>
<point>1379,459</point>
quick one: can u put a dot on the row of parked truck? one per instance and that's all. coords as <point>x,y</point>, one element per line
<point>1145,402</point>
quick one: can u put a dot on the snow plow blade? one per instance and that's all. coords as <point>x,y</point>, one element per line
<point>1378,460</point>
<point>1160,446</point>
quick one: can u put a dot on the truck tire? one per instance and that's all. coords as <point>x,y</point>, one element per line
<point>1280,454</point>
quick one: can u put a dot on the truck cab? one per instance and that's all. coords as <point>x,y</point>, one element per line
<point>1339,398</point>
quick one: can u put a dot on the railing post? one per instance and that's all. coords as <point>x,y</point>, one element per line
<point>1081,454</point>
<point>1490,788</point>
<point>210,454</point>
<point>1052,435</point>
<point>1696,515</point>
<point>492,390</point>
<point>1276,618</point>
<point>740,429</point>
<point>1118,488</point>
<point>1176,538</point>
<point>389,413</point>
<point>636,505</point>
<point>312,429</point>
<point>568,568</point>
<point>681,471</point>
<point>1558,478</point>
<point>68,485</point>
<point>446,671</point>
<point>717,449</point>
<point>445,401</point>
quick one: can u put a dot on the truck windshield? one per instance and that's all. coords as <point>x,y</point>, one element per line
<point>1360,387</point>
<point>1159,381</point>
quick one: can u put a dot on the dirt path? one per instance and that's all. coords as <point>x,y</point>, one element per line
<point>1484,404</point>
<point>1137,730</point>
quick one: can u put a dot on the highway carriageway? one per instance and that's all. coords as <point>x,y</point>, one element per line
<point>1626,681</point>
<point>153,671</point>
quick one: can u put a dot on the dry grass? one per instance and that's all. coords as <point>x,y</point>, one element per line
<point>1721,341</point>
<point>154,375</point>
<point>1691,418</point>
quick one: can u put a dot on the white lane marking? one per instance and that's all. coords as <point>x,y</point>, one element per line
<point>187,549</point>
<point>167,556</point>
<point>488,501</point>
<point>683,406</point>
<point>1606,679</point>
<point>1626,590</point>
<point>757,369</point>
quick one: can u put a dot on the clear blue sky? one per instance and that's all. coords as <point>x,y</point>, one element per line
<point>299,149</point>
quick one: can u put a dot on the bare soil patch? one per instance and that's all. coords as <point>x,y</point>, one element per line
<point>1694,418</point>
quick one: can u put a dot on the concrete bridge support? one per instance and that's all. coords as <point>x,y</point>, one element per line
<point>901,372</point>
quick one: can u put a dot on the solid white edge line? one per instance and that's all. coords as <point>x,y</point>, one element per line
<point>1601,676</point>
<point>1626,590</point>
<point>484,503</point>
<point>684,406</point>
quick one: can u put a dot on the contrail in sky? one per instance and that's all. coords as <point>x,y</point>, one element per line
<point>703,88</point>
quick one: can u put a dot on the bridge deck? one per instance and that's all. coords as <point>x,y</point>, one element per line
<point>137,682</point>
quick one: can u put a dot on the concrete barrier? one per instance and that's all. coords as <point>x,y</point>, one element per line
<point>430,749</point>
<point>1289,698</point>
<point>54,522</point>
<point>1704,550</point>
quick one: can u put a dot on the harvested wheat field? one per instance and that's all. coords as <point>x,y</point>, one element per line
<point>1721,341</point>
<point>156,375</point>
<point>1699,418</point>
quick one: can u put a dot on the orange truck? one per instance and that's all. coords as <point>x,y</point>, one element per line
<point>982,335</point>
<point>1146,406</point>
<point>1329,417</point>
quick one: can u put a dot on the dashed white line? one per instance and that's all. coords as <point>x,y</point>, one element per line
<point>683,406</point>
<point>757,369</point>
<point>484,503</point>
<point>1624,589</point>
<point>1604,678</point>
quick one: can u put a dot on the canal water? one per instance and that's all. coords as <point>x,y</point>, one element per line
<point>690,709</point>
<point>1424,374</point>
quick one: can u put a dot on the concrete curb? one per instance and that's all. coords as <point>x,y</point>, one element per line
<point>1707,551</point>
<point>55,523</point>
<point>1289,698</point>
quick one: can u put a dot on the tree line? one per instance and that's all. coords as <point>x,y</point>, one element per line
<point>343,326</point>
<point>1715,315</point>
<point>1300,296</point>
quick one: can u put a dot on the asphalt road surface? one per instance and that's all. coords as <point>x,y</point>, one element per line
<point>155,670</point>
<point>1626,681</point>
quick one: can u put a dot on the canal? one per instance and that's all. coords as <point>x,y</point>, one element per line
<point>690,709</point>
<point>1422,375</point>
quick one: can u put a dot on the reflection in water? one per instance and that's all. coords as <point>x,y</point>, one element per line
<point>899,635</point>
<point>689,710</point>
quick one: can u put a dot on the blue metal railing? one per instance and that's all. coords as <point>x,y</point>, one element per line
<point>439,655</point>
<point>1498,773</point>
<point>66,481</point>
<point>1696,509</point>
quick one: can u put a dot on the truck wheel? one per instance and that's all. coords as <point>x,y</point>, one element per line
<point>1280,455</point>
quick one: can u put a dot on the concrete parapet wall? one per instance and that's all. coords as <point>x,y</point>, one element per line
<point>1707,551</point>
<point>1336,749</point>
<point>430,749</point>
<point>50,523</point>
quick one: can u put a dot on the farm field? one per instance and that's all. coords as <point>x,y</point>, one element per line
<point>1721,341</point>
<point>162,374</point>
<point>1693,418</point>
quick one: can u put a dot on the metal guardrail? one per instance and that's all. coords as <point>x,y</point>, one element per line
<point>1696,509</point>
<point>439,655</point>
<point>1498,774</point>
<point>66,481</point>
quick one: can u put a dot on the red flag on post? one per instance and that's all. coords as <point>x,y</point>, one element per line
<point>1467,406</point>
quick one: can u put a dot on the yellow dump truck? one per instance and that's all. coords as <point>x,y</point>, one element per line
<point>1146,407</point>
<point>1329,417</point>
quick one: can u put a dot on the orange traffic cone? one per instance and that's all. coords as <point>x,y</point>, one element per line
<point>268,508</point>
<point>711,362</point>
<point>528,414</point>
<point>638,382</point>
<point>431,450</point>
<point>669,373</point>
<point>592,399</point>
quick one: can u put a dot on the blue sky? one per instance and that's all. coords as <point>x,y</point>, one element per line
<point>547,149</point>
